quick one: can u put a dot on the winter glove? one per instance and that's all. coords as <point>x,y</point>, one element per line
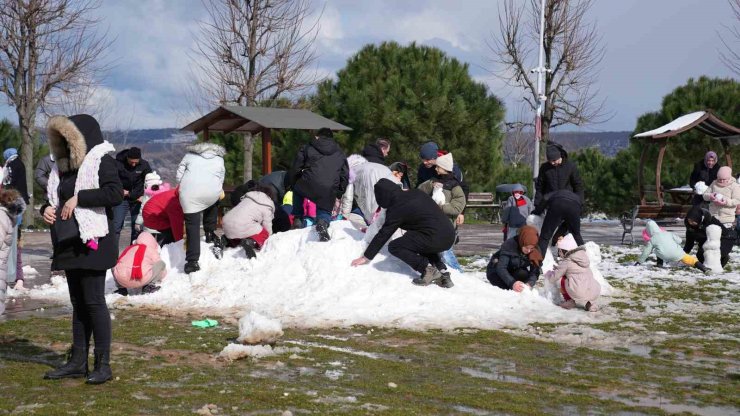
<point>637,263</point>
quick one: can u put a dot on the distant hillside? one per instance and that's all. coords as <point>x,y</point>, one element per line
<point>608,143</point>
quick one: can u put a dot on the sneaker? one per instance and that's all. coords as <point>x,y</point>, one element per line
<point>248,245</point>
<point>149,289</point>
<point>322,228</point>
<point>431,275</point>
<point>445,280</point>
<point>192,267</point>
<point>121,291</point>
<point>568,304</point>
<point>591,307</point>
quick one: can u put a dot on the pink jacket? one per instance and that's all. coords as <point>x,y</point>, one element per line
<point>140,263</point>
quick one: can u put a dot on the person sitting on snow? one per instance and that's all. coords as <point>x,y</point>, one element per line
<point>140,266</point>
<point>667,246</point>
<point>518,208</point>
<point>518,263</point>
<point>574,276</point>
<point>249,223</point>
<point>428,233</point>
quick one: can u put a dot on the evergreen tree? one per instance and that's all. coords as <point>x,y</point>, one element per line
<point>412,94</point>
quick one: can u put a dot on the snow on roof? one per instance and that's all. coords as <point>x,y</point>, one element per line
<point>704,121</point>
<point>674,125</point>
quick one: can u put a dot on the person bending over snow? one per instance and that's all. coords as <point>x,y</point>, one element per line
<point>249,224</point>
<point>428,233</point>
<point>667,246</point>
<point>517,264</point>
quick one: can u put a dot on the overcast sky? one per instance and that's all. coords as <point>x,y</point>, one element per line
<point>652,46</point>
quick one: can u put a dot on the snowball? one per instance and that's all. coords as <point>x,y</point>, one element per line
<point>233,352</point>
<point>257,329</point>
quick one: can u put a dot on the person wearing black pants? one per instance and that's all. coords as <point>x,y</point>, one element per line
<point>74,140</point>
<point>428,233</point>
<point>563,209</point>
<point>192,228</point>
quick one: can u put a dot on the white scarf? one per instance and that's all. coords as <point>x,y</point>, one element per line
<point>93,222</point>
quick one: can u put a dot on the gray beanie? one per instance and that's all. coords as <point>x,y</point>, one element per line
<point>553,153</point>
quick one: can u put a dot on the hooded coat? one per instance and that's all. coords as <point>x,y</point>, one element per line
<point>509,261</point>
<point>255,212</point>
<point>363,177</point>
<point>201,176</point>
<point>372,153</point>
<point>69,141</point>
<point>667,246</point>
<point>516,216</point>
<point>148,194</point>
<point>320,172</point>
<point>275,179</point>
<point>164,212</point>
<point>8,218</point>
<point>580,283</point>
<point>148,262</point>
<point>132,177</point>
<point>702,173</point>
<point>724,213</point>
<point>413,211</point>
<point>554,178</point>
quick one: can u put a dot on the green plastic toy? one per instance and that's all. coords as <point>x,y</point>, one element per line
<point>205,323</point>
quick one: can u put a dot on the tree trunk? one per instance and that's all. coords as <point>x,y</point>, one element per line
<point>248,155</point>
<point>26,123</point>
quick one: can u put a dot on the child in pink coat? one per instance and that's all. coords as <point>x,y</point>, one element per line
<point>140,266</point>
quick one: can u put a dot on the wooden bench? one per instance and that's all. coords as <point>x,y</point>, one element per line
<point>485,200</point>
<point>650,212</point>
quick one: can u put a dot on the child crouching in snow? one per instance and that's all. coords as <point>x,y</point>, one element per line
<point>577,283</point>
<point>11,205</point>
<point>153,185</point>
<point>249,224</point>
<point>140,266</point>
<point>667,246</point>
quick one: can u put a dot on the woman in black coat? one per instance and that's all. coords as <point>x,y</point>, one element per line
<point>71,141</point>
<point>704,171</point>
<point>517,263</point>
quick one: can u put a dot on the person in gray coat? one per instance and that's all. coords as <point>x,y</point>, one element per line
<point>43,170</point>
<point>11,206</point>
<point>517,209</point>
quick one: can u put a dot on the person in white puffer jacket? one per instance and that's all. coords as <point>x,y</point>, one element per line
<point>249,224</point>
<point>201,177</point>
<point>363,176</point>
<point>11,205</point>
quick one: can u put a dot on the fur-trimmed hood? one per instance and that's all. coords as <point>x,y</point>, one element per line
<point>207,150</point>
<point>70,138</point>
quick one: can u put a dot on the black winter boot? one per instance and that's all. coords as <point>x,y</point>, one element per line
<point>75,367</point>
<point>322,228</point>
<point>191,267</point>
<point>249,247</point>
<point>101,372</point>
<point>699,265</point>
<point>211,237</point>
<point>218,246</point>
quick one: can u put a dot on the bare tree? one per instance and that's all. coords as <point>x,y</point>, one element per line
<point>519,140</point>
<point>572,52</point>
<point>250,52</point>
<point>45,46</point>
<point>731,56</point>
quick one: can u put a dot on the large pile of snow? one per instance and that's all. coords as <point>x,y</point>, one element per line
<point>306,283</point>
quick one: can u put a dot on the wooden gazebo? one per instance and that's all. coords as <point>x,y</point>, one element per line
<point>704,121</point>
<point>234,118</point>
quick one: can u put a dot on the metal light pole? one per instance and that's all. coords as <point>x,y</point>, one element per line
<point>540,70</point>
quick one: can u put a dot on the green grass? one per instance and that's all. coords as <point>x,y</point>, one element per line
<point>164,366</point>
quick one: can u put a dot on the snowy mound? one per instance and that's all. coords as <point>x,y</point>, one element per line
<point>306,283</point>
<point>257,329</point>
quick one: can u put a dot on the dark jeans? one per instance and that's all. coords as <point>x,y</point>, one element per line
<point>416,250</point>
<point>119,217</point>
<point>563,215</point>
<point>90,314</point>
<point>298,208</point>
<point>192,230</point>
<point>164,237</point>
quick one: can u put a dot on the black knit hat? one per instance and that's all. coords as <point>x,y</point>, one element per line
<point>553,153</point>
<point>134,153</point>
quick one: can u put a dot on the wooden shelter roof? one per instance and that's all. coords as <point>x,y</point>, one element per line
<point>234,118</point>
<point>704,121</point>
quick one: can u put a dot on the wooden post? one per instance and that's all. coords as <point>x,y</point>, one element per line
<point>658,188</point>
<point>205,134</point>
<point>640,172</point>
<point>266,151</point>
<point>726,149</point>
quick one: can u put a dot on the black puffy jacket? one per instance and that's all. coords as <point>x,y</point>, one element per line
<point>320,172</point>
<point>702,173</point>
<point>132,177</point>
<point>554,178</point>
<point>81,133</point>
<point>372,153</point>
<point>508,260</point>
